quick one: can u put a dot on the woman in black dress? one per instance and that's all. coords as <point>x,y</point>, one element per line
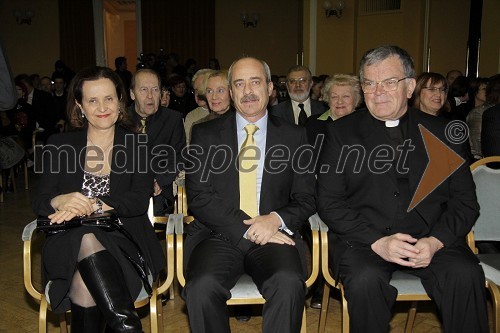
<point>97,168</point>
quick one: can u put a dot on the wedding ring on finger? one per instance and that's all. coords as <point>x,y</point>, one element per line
<point>255,235</point>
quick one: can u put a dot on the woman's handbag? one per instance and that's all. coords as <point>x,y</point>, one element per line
<point>107,221</point>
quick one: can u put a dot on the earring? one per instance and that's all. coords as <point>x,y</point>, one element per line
<point>83,115</point>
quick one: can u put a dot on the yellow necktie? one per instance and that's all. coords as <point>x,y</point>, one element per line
<point>248,173</point>
<point>143,125</point>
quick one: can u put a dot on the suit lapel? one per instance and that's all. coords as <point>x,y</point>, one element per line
<point>228,137</point>
<point>122,154</point>
<point>289,114</point>
<point>272,140</point>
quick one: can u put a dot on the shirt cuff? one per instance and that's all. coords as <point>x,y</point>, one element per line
<point>283,225</point>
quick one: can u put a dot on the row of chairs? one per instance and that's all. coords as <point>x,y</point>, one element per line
<point>245,291</point>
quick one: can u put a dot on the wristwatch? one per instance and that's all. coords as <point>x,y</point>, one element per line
<point>99,204</point>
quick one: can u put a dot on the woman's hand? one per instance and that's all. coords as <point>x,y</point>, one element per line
<point>75,203</point>
<point>61,216</point>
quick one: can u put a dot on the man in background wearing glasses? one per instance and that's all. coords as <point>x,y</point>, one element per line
<point>377,157</point>
<point>299,107</point>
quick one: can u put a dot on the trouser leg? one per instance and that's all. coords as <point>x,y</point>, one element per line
<point>213,269</point>
<point>277,271</point>
<point>370,298</point>
<point>455,281</point>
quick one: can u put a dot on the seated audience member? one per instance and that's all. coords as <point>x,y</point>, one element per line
<point>60,68</point>
<point>165,96</point>
<point>90,270</point>
<point>60,98</point>
<point>430,94</point>
<point>21,118</point>
<point>124,74</point>
<point>273,98</point>
<point>180,99</point>
<point>452,75</point>
<point>475,116</point>
<point>458,96</point>
<point>213,64</point>
<point>165,136</point>
<point>375,226</point>
<point>247,216</point>
<point>490,132</point>
<point>43,106</point>
<point>342,92</point>
<point>316,88</point>
<point>299,107</point>
<point>202,110</point>
<point>217,95</point>
<point>46,84</point>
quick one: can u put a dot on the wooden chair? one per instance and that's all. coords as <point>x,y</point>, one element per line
<point>409,287</point>
<point>155,305</point>
<point>245,291</point>
<point>487,227</point>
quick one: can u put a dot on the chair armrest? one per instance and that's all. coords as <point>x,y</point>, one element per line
<point>28,231</point>
<point>169,253</point>
<point>315,246</point>
<point>314,221</point>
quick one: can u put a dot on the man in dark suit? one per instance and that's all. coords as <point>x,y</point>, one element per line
<point>366,204</point>
<point>299,106</point>
<point>44,108</point>
<point>165,131</point>
<point>228,238</point>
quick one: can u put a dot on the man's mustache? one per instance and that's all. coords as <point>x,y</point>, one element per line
<point>249,98</point>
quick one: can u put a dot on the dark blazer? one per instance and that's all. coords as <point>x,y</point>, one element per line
<point>165,131</point>
<point>130,183</point>
<point>212,178</point>
<point>284,110</point>
<point>490,132</point>
<point>44,108</point>
<point>359,205</point>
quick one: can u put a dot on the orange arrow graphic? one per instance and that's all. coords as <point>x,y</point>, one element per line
<point>443,161</point>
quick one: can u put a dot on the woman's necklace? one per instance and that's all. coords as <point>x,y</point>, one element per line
<point>103,150</point>
<point>101,153</point>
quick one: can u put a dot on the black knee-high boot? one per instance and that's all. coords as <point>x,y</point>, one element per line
<point>86,320</point>
<point>105,281</point>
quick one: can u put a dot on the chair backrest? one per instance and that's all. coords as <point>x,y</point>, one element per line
<point>487,180</point>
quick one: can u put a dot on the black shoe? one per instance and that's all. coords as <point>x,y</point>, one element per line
<point>86,320</point>
<point>242,313</point>
<point>316,301</point>
<point>104,279</point>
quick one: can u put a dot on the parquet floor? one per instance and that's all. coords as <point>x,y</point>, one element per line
<point>19,313</point>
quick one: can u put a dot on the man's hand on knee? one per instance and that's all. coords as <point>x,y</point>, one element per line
<point>428,246</point>
<point>397,248</point>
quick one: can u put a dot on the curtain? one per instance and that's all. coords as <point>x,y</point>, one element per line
<point>185,27</point>
<point>76,29</point>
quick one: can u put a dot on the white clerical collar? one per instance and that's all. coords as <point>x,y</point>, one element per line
<point>391,123</point>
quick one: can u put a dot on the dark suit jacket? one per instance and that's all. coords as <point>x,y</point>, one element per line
<point>44,108</point>
<point>130,184</point>
<point>359,206</point>
<point>212,180</point>
<point>165,131</point>
<point>490,132</point>
<point>284,110</point>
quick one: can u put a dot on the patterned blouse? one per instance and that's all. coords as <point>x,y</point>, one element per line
<point>95,185</point>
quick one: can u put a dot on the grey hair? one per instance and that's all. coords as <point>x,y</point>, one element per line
<point>381,53</point>
<point>267,71</point>
<point>299,68</point>
<point>342,80</point>
<point>200,72</point>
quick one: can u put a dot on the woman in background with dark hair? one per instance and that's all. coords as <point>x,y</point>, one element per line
<point>95,169</point>
<point>430,94</point>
